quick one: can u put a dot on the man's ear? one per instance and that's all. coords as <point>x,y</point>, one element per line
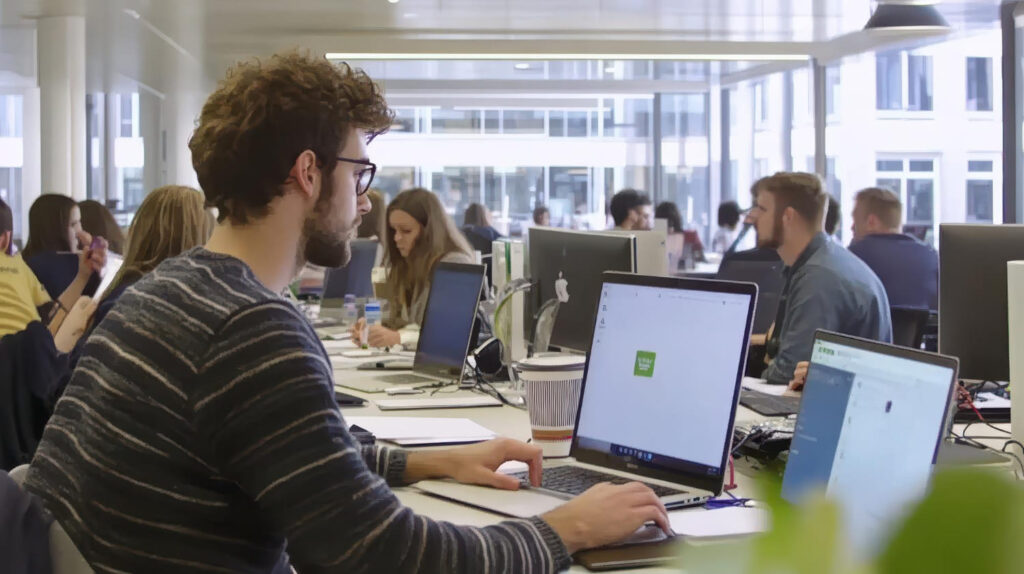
<point>306,173</point>
<point>5,242</point>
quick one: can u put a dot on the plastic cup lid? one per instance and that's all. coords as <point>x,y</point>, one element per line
<point>552,363</point>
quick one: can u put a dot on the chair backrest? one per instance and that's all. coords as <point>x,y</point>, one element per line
<point>18,473</point>
<point>908,326</point>
<point>65,557</point>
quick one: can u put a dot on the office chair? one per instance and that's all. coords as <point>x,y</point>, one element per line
<point>908,325</point>
<point>64,556</point>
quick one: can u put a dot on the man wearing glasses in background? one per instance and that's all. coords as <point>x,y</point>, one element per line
<point>199,431</point>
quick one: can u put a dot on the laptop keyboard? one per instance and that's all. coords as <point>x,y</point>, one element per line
<point>405,379</point>
<point>769,405</point>
<point>575,480</point>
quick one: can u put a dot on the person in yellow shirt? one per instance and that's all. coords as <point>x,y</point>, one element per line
<point>21,294</point>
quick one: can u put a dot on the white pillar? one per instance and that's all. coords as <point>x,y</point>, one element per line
<point>61,55</point>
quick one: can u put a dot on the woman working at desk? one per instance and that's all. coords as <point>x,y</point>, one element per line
<point>419,235</point>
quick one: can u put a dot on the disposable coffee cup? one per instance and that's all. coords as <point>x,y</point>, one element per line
<point>552,384</point>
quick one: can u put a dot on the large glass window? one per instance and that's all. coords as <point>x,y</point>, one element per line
<point>979,84</point>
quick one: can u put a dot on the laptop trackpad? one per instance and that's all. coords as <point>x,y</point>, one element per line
<point>522,503</point>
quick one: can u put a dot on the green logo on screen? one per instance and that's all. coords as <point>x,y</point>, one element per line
<point>644,366</point>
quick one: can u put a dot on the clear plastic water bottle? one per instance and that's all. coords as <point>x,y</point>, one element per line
<point>349,312</point>
<point>373,317</point>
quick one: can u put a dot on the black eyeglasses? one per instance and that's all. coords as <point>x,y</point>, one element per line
<point>364,176</point>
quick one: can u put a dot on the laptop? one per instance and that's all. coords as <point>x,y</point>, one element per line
<point>869,429</point>
<point>354,278</point>
<point>668,424</point>
<point>445,335</point>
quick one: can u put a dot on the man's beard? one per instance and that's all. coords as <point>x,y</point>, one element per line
<point>775,241</point>
<point>322,245</point>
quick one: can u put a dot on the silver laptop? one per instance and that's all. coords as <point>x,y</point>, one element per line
<point>870,424</point>
<point>666,420</point>
<point>445,335</point>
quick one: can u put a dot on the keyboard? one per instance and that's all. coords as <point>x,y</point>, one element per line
<point>575,480</point>
<point>405,379</point>
<point>769,405</point>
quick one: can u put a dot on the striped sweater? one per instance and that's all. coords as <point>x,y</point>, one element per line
<point>199,432</point>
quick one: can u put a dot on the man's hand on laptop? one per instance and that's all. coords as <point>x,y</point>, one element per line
<point>799,376</point>
<point>476,464</point>
<point>606,514</point>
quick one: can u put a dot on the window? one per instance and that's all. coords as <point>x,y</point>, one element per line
<point>760,104</point>
<point>919,81</point>
<point>894,91</point>
<point>449,121</point>
<point>832,91</point>
<point>405,120</point>
<point>980,187</point>
<point>683,115</point>
<point>914,181</point>
<point>979,84</point>
<point>889,81</point>
<point>522,121</point>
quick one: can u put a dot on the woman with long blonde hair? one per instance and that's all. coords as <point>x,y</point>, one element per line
<point>419,235</point>
<point>171,220</point>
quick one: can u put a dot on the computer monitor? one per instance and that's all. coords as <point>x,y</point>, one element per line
<point>658,400</point>
<point>449,319</point>
<point>973,323</point>
<point>651,251</point>
<point>354,278</point>
<point>768,277</point>
<point>869,428</point>
<point>567,265</point>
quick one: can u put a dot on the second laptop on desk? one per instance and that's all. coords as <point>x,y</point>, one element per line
<point>445,335</point>
<point>658,400</point>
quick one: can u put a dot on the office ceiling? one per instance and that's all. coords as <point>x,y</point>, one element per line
<point>155,43</point>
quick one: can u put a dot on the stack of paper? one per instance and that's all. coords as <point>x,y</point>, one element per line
<point>762,386</point>
<point>410,431</point>
<point>721,522</point>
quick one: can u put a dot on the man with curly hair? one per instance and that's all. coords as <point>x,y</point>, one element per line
<point>199,431</point>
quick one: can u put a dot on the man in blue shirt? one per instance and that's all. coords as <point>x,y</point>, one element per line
<point>827,287</point>
<point>908,268</point>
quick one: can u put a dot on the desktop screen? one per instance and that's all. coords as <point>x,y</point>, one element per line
<point>663,372</point>
<point>448,319</point>
<point>867,434</point>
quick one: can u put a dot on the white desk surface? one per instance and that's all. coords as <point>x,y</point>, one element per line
<point>512,422</point>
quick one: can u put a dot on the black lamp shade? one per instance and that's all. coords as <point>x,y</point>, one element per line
<point>896,16</point>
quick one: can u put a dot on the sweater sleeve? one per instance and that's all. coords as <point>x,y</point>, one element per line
<point>265,402</point>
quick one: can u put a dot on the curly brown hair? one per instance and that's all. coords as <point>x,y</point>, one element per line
<point>265,113</point>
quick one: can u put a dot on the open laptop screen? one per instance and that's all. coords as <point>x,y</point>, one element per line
<point>448,319</point>
<point>868,431</point>
<point>663,375</point>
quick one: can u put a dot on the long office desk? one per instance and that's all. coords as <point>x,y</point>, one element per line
<point>514,423</point>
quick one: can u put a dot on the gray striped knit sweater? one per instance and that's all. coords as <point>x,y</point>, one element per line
<point>199,433</point>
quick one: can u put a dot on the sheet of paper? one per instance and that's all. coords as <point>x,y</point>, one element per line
<point>991,401</point>
<point>436,403</point>
<point>761,386</point>
<point>728,521</point>
<point>333,346</point>
<point>401,428</point>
